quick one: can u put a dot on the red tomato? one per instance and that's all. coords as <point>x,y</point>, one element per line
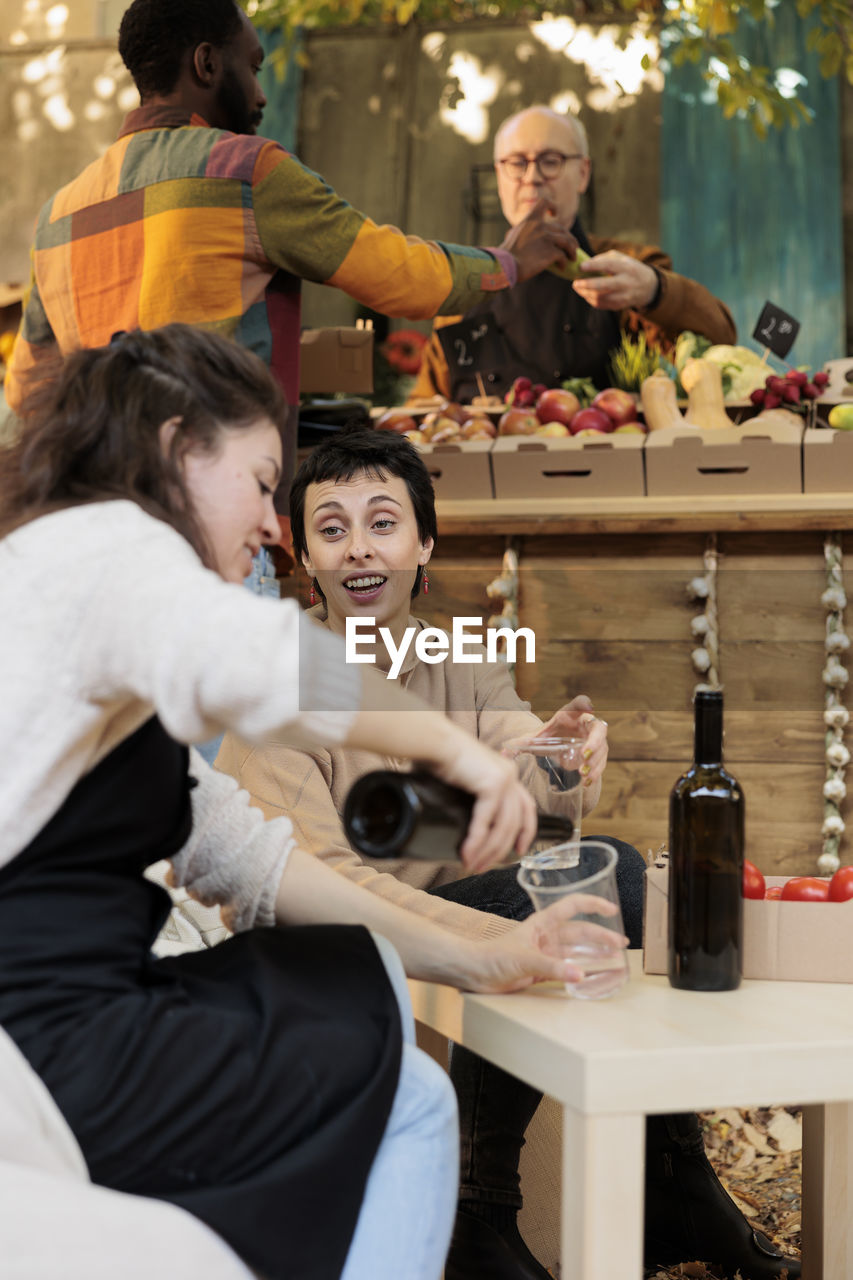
<point>775,891</point>
<point>841,885</point>
<point>753,880</point>
<point>805,889</point>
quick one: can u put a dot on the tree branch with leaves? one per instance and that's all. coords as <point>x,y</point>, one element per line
<point>703,32</point>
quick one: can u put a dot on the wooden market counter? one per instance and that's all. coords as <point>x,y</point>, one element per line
<point>519,516</point>
<point>603,584</point>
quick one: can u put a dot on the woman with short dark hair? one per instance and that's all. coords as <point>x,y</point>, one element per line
<point>364,525</point>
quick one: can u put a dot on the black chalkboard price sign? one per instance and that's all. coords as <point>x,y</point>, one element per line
<point>776,330</point>
<point>473,344</point>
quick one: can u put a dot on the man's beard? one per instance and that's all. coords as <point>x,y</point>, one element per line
<point>232,105</point>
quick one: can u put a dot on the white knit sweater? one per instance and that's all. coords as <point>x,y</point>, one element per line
<point>107,617</point>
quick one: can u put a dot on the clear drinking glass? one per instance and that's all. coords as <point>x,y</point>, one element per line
<point>587,868</point>
<point>558,763</point>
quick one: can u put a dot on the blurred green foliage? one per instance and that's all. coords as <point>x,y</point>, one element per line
<point>699,31</point>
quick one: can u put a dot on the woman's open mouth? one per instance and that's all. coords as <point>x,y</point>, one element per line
<point>366,586</point>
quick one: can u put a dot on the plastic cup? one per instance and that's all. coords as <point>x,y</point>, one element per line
<point>557,762</point>
<point>588,868</point>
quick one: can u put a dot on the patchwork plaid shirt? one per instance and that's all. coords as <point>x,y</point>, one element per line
<point>181,222</point>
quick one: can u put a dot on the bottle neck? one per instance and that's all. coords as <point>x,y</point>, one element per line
<point>708,739</point>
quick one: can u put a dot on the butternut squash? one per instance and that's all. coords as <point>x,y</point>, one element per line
<point>660,402</point>
<point>774,418</point>
<point>703,382</point>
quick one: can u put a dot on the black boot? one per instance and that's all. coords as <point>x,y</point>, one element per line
<point>479,1252</point>
<point>689,1216</point>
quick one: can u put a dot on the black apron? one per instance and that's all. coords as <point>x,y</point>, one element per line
<point>250,1083</point>
<point>540,329</point>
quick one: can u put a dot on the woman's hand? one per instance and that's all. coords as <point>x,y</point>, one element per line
<point>533,951</point>
<point>504,818</point>
<point>503,821</point>
<point>577,720</point>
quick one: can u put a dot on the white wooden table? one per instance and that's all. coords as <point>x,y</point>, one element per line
<point>652,1049</point>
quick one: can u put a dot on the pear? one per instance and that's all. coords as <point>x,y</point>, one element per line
<point>570,268</point>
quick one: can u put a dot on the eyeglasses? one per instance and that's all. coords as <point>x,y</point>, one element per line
<point>549,163</point>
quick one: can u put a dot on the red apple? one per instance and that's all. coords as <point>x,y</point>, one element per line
<point>556,429</point>
<point>438,424</point>
<point>521,393</point>
<point>557,405</point>
<point>449,432</point>
<point>518,422</point>
<point>618,405</point>
<point>399,420</point>
<point>456,412</point>
<point>590,420</point>
<point>478,427</point>
<point>630,428</point>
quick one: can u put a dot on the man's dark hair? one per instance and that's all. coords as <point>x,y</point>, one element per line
<point>353,451</point>
<point>155,36</point>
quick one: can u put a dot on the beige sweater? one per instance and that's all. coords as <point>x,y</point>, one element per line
<point>310,786</point>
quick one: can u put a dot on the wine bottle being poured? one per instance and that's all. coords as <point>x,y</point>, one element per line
<point>416,815</point>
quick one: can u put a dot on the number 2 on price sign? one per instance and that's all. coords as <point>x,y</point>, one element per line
<point>462,356</point>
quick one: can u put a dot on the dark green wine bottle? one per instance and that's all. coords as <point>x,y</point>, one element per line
<point>416,815</point>
<point>706,815</point>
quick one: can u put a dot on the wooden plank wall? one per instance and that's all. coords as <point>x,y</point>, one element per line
<point>611,616</point>
<point>612,619</point>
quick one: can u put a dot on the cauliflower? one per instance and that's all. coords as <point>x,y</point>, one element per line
<point>689,346</point>
<point>742,368</point>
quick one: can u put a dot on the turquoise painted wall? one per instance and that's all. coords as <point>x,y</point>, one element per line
<point>759,219</point>
<point>281,117</point>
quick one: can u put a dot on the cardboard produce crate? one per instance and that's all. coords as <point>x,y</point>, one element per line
<point>840,387</point>
<point>564,467</point>
<point>754,458</point>
<point>782,941</point>
<point>336,360</point>
<point>460,469</point>
<point>827,461</point>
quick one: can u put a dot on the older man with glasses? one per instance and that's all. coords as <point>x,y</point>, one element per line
<point>551,327</point>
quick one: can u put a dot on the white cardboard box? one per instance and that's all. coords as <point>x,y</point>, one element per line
<point>336,360</point>
<point>752,458</point>
<point>567,467</point>
<point>459,469</point>
<point>782,941</point>
<point>827,461</point>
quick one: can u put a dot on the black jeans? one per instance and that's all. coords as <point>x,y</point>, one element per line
<point>494,1107</point>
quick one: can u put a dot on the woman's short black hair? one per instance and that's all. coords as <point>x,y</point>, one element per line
<point>155,35</point>
<point>363,449</point>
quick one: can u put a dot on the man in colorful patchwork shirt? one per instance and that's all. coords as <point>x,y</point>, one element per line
<point>189,216</point>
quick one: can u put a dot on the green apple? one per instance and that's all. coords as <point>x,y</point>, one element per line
<point>841,417</point>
